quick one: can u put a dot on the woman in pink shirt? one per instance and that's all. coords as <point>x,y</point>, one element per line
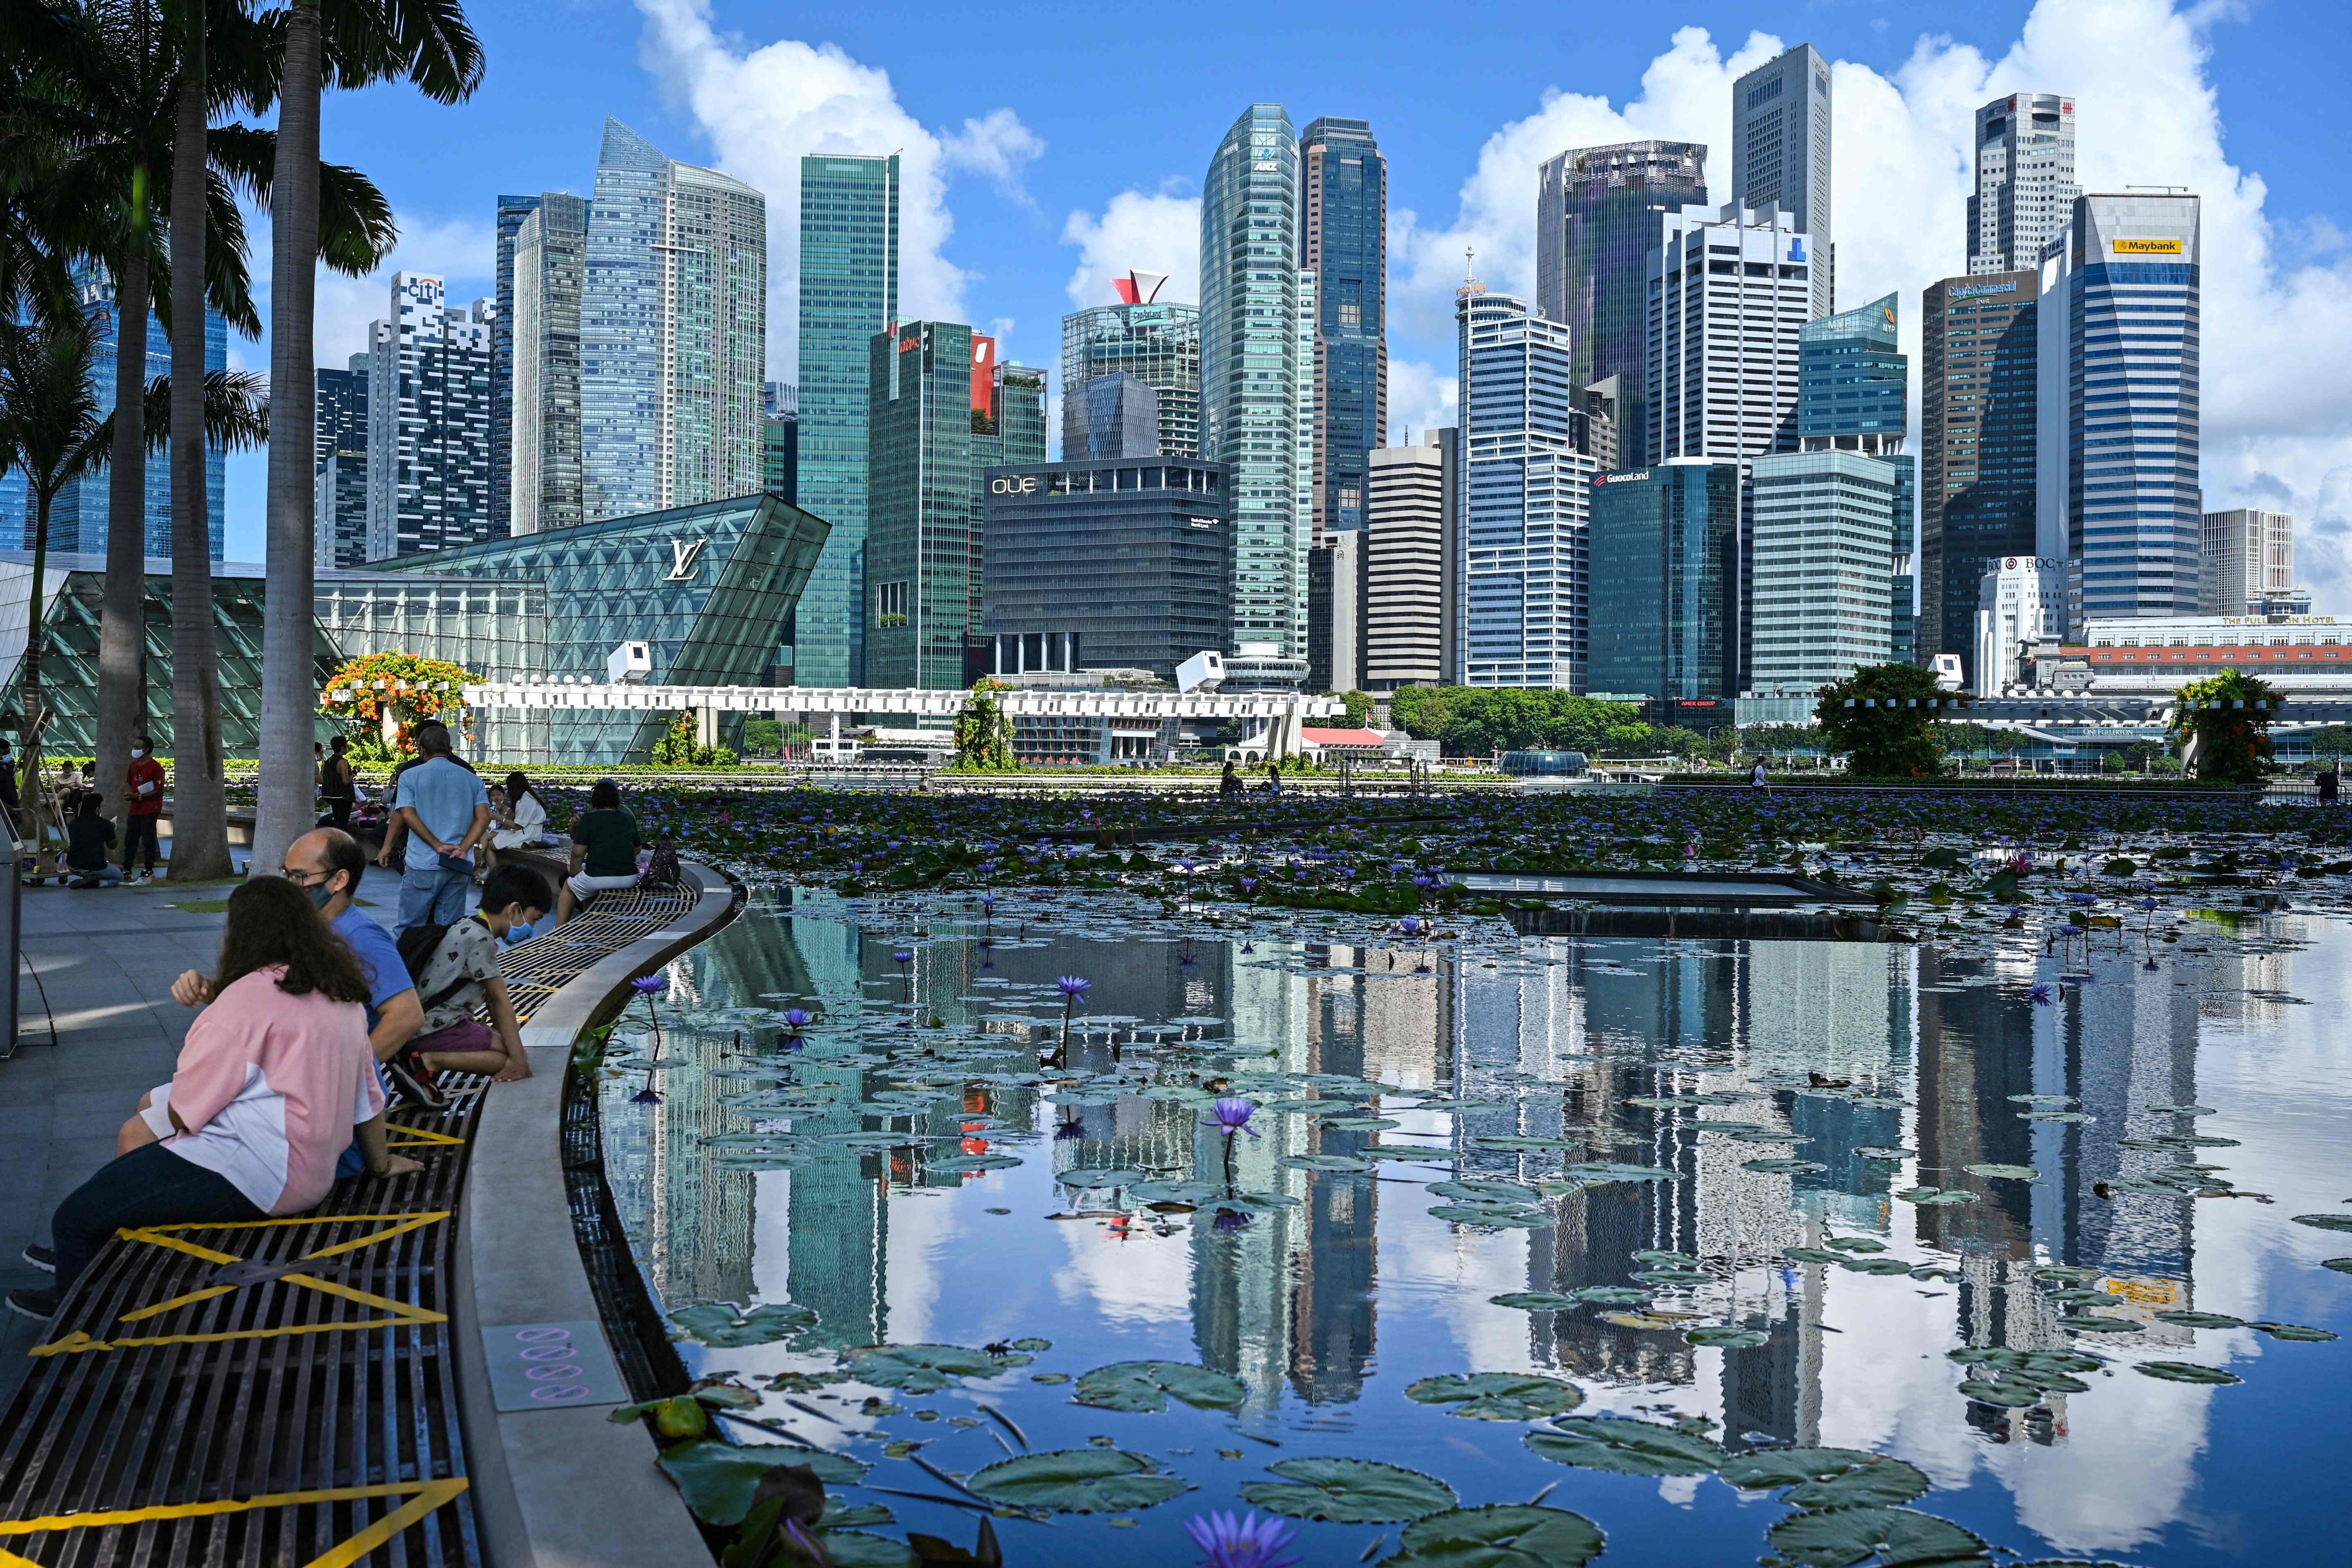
<point>275,1080</point>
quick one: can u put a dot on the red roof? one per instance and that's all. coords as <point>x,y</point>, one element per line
<point>1315,737</point>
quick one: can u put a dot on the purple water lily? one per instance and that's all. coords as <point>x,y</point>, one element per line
<point>649,984</point>
<point>1074,989</point>
<point>1232,1114</point>
<point>1248,1542</point>
<point>796,1019</point>
<point>2043,993</point>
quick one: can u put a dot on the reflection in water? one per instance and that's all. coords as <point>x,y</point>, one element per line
<point>1793,1089</point>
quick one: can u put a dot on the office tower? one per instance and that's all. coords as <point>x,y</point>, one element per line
<point>2021,599</point>
<point>780,441</point>
<point>1593,424</point>
<point>2025,181</point>
<point>511,212</point>
<point>1117,415</point>
<point>1597,220</point>
<point>2117,427</point>
<point>339,453</point>
<point>2247,564</point>
<point>849,291</point>
<point>1665,589</point>
<point>1902,587</point>
<point>1157,344</point>
<point>1343,210</point>
<point>673,332</point>
<point>429,448</point>
<point>1407,507</point>
<point>1780,154</point>
<point>1251,374</point>
<point>1722,365</point>
<point>546,275</point>
<point>1852,382</point>
<point>1334,611</point>
<point>1977,395</point>
<point>1524,492</point>
<point>1100,567</point>
<point>1008,425</point>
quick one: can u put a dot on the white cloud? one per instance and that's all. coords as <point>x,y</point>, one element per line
<point>765,107</point>
<point>1421,398</point>
<point>1151,233</point>
<point>461,252</point>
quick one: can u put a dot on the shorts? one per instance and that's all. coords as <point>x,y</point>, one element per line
<point>157,1114</point>
<point>471,1035</point>
<point>581,884</point>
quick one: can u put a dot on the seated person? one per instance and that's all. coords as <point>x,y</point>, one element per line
<point>605,844</point>
<point>88,838</point>
<point>274,1082</point>
<point>518,817</point>
<point>459,978</point>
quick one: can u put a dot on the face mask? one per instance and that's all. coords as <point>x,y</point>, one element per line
<point>518,932</point>
<point>321,894</point>
<point>136,754</point>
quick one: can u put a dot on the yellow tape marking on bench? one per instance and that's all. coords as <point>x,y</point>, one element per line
<point>403,1314</point>
<point>424,1497</point>
<point>399,1136</point>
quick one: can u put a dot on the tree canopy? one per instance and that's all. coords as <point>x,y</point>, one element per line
<point>1882,715</point>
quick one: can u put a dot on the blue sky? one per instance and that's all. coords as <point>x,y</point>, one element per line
<point>1046,125</point>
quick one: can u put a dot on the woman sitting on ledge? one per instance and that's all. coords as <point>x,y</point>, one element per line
<point>274,1081</point>
<point>605,844</point>
<point>520,818</point>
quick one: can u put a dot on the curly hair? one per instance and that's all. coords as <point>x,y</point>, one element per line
<point>270,922</point>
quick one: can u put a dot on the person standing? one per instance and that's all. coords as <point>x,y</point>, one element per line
<point>1756,777</point>
<point>445,810</point>
<point>145,793</point>
<point>336,790</point>
<point>1229,786</point>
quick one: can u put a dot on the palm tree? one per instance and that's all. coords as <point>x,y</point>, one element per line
<point>430,44</point>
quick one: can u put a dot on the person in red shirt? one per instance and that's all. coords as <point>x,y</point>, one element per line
<point>146,797</point>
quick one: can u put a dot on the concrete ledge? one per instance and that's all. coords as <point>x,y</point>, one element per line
<point>561,1488</point>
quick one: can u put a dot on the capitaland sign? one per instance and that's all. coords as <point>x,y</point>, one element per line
<point>2128,246</point>
<point>1013,484</point>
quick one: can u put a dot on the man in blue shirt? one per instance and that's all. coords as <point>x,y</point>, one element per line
<point>445,809</point>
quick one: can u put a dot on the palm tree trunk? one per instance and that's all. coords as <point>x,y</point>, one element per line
<point>199,790</point>
<point>289,678</point>
<point>122,618</point>
<point>32,732</point>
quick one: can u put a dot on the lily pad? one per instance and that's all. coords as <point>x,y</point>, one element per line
<point>2341,1264</point>
<point>1887,1266</point>
<point>925,1369</point>
<point>1811,1255</point>
<point>1626,1447</point>
<point>1348,1491</point>
<point>1535,1300</point>
<point>1828,1478</point>
<point>1325,1162</point>
<point>1145,1385</point>
<point>1785,1167</point>
<point>1076,1480</point>
<point>726,1326</point>
<point>2325,1221</point>
<point>2185,1371</point>
<point>1507,1192</point>
<point>1512,1216</point>
<point>969,1164</point>
<point>1856,1244</point>
<point>1098,1176</point>
<point>1935,1196</point>
<point>1721,1337</point>
<point>2200,1320</point>
<point>717,1480</point>
<point>1880,1151</point>
<point>2295,1332</point>
<point>2091,1323</point>
<point>862,1548</point>
<point>1503,1535</point>
<point>1498,1396</point>
<point>1897,1537</point>
<point>2004,1173</point>
<point>1612,1295</point>
<point>1599,1173</point>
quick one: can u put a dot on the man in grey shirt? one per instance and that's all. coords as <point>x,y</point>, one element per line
<point>445,809</point>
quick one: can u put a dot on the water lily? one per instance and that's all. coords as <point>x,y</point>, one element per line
<point>1232,1114</point>
<point>1074,989</point>
<point>1249,1542</point>
<point>2043,993</point>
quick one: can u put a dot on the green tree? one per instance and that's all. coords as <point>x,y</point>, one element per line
<point>983,731</point>
<point>2335,740</point>
<point>1884,715</point>
<point>1420,711</point>
<point>1359,705</point>
<point>2222,725</point>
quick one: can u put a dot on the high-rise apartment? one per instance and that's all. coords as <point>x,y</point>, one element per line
<point>1407,517</point>
<point>2117,441</point>
<point>1524,491</point>
<point>429,448</point>
<point>673,332</point>
<point>1780,153</point>
<point>2025,181</point>
<point>1665,588</point>
<point>1597,217</point>
<point>1257,372</point>
<point>1343,210</point>
<point>1976,393</point>
<point>1157,344</point>
<point>2247,564</point>
<point>849,291</point>
<point>547,273</point>
<point>511,212</point>
<point>339,454</point>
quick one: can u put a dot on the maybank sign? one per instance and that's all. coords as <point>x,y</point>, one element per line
<point>2128,247</point>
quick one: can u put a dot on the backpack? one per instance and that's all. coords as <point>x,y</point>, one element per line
<point>661,868</point>
<point>417,945</point>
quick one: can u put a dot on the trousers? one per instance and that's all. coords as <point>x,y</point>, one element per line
<point>150,1185</point>
<point>137,830</point>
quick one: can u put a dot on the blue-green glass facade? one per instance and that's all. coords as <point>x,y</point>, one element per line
<point>1851,378</point>
<point>922,506</point>
<point>849,291</point>
<point>1343,212</point>
<point>1665,548</point>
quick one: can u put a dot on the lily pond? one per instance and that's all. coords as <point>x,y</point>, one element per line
<point>1327,1238</point>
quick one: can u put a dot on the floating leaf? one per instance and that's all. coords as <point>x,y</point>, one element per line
<point>1897,1537</point>
<point>2185,1371</point>
<point>1785,1167</point>
<point>2091,1323</point>
<point>1534,1301</point>
<point>1881,1484</point>
<point>1856,1244</point>
<point>1502,1535</point>
<point>1724,1338</point>
<point>925,1369</point>
<point>1509,1192</point>
<point>1612,1295</point>
<point>2004,1173</point>
<point>1811,1255</point>
<point>1348,1491</point>
<point>1491,1213</point>
<point>1076,1480</point>
<point>1498,1396</point>
<point>1655,1257</point>
<point>726,1326</point>
<point>1515,1144</point>
<point>2341,1264</point>
<point>1887,1266</point>
<point>969,1164</point>
<point>1325,1162</point>
<point>862,1548</point>
<point>1881,1152</point>
<point>1085,1176</point>
<point>717,1480</point>
<point>1827,1478</point>
<point>1933,1197</point>
<point>1626,1447</point>
<point>1145,1385</point>
<point>2325,1221</point>
<point>2295,1331</point>
<point>1599,1173</point>
<point>2200,1320</point>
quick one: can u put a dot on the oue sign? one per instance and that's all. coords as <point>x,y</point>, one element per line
<point>1020,485</point>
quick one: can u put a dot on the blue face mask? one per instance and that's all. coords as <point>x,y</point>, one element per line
<point>520,931</point>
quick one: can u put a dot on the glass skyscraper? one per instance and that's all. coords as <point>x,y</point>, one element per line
<point>1599,214</point>
<point>511,212</point>
<point>2117,445</point>
<point>1665,602</point>
<point>849,291</point>
<point>339,454</point>
<point>1159,345</point>
<point>550,271</point>
<point>1780,153</point>
<point>1343,209</point>
<point>428,447</point>
<point>1257,371</point>
<point>1851,381</point>
<point>673,332</point>
<point>1977,397</point>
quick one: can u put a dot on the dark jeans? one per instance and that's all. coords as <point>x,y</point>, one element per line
<point>338,813</point>
<point>139,829</point>
<point>150,1185</point>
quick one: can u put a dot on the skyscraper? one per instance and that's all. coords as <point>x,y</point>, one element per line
<point>780,441</point>
<point>1343,210</point>
<point>1665,587</point>
<point>511,212</point>
<point>1251,374</point>
<point>1723,356</point>
<point>849,291</point>
<point>2025,181</point>
<point>2248,564</point>
<point>1334,611</point>
<point>1597,217</point>
<point>673,332</point>
<point>1525,493</point>
<point>2117,442</point>
<point>339,453</point>
<point>548,272</point>
<point>428,447</point>
<point>1780,153</point>
<point>1157,344</point>
<point>1116,416</point>
<point>1406,515</point>
<point>1977,419</point>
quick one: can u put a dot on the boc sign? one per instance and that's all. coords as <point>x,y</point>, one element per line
<point>1014,485</point>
